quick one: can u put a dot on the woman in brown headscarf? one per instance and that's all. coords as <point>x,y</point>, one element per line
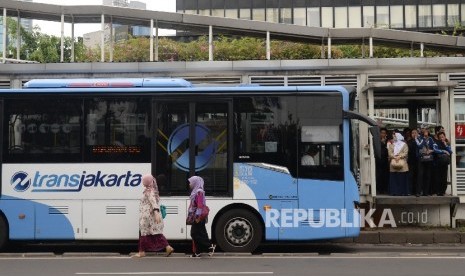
<point>150,220</point>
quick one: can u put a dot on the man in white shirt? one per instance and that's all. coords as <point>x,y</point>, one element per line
<point>308,158</point>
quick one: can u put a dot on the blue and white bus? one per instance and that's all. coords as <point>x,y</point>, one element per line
<point>74,152</point>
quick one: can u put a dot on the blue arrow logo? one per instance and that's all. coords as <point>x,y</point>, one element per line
<point>180,135</point>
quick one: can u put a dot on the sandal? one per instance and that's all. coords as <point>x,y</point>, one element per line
<point>169,251</point>
<point>138,255</point>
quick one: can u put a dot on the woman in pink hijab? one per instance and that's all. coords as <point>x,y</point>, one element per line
<point>150,221</point>
<point>200,241</point>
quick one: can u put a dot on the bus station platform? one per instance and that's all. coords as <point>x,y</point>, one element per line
<point>408,235</point>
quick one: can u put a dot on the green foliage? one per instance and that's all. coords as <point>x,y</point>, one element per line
<point>45,48</point>
<point>36,46</point>
<point>246,48</point>
<point>294,50</point>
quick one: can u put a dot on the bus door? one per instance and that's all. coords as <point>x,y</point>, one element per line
<point>191,139</point>
<point>320,170</point>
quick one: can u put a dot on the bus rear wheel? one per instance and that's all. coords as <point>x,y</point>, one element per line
<point>3,232</point>
<point>238,231</point>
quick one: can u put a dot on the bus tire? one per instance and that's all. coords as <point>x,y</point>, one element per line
<point>4,236</point>
<point>238,230</point>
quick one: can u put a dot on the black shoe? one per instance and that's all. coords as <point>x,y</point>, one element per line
<point>212,250</point>
<point>195,255</point>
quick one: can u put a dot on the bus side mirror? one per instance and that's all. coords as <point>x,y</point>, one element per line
<point>374,130</point>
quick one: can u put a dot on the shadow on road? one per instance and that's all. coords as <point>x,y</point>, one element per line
<point>127,247</point>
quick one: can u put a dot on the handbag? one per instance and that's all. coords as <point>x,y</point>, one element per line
<point>397,164</point>
<point>163,211</point>
<point>202,217</point>
<point>443,159</point>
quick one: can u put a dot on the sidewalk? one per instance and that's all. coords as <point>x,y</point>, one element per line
<point>408,235</point>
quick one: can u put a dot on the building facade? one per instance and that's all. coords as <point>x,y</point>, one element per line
<point>417,15</point>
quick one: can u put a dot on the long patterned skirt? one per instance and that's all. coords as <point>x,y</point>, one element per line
<point>152,243</point>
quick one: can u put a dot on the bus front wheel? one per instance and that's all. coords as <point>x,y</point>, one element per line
<point>238,231</point>
<point>3,232</point>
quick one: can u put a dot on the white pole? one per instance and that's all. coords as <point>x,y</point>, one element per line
<point>62,44</point>
<point>151,39</point>
<point>329,47</point>
<point>210,43</point>
<point>422,48</point>
<point>5,34</point>
<point>268,46</point>
<point>371,47</point>
<point>156,40</point>
<point>111,39</point>
<point>102,39</point>
<point>72,39</point>
<point>18,39</point>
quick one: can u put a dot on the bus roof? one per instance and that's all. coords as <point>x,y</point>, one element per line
<point>158,85</point>
<point>107,83</point>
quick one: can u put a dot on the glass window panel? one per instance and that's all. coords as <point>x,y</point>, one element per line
<point>171,117</point>
<point>320,137</point>
<point>222,4</point>
<point>327,17</point>
<point>204,4</point>
<point>258,14</point>
<point>286,16</point>
<point>397,17</point>
<point>265,130</point>
<point>313,15</point>
<point>244,14</point>
<point>424,16</point>
<point>341,17</point>
<point>218,12</point>
<point>453,16</point>
<point>382,17</point>
<point>299,16</point>
<point>272,15</point>
<point>355,17</point>
<point>368,16</point>
<point>117,130</point>
<point>190,5</point>
<point>462,8</point>
<point>42,130</point>
<point>214,118</point>
<point>439,15</point>
<point>410,16</point>
<point>231,13</point>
